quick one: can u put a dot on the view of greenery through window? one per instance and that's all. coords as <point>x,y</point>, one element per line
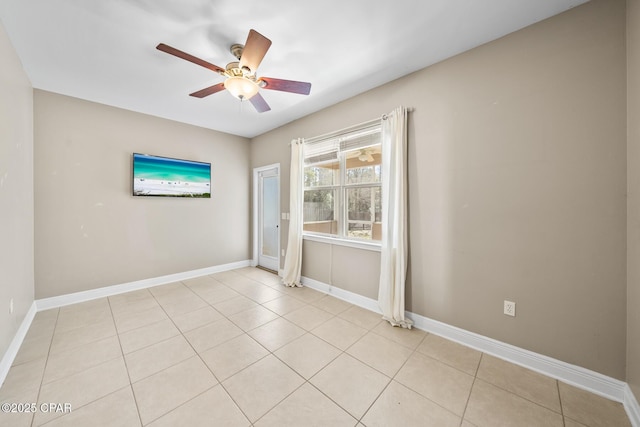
<point>343,196</point>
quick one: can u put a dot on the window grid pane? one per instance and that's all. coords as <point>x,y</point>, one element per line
<point>319,211</point>
<point>363,212</point>
<point>342,194</point>
<point>363,165</point>
<point>322,175</point>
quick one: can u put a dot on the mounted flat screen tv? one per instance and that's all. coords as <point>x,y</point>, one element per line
<point>166,177</point>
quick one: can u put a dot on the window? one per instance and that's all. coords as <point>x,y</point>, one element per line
<point>342,185</point>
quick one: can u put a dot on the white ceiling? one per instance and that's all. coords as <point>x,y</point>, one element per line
<point>104,51</point>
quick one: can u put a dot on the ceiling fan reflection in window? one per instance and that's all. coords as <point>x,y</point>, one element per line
<point>365,154</point>
<point>241,79</point>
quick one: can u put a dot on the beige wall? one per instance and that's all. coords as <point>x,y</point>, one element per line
<point>16,192</point>
<point>355,270</point>
<point>517,190</point>
<point>91,232</point>
<point>517,159</point>
<point>633,188</point>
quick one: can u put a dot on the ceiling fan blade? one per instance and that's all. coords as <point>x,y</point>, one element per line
<point>183,55</point>
<point>255,48</point>
<point>208,91</point>
<point>302,88</point>
<point>259,103</point>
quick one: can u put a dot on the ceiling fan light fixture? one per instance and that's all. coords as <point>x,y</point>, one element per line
<point>366,157</point>
<point>241,87</point>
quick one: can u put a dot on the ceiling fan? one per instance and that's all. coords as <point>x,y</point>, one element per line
<point>240,76</point>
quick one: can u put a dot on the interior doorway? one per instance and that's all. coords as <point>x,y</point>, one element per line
<point>266,217</point>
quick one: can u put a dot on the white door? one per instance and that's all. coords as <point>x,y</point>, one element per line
<point>268,217</point>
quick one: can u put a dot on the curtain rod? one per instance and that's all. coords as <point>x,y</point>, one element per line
<point>333,134</point>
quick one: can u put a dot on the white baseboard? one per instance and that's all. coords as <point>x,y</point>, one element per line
<point>592,381</point>
<point>12,351</point>
<point>63,300</point>
<point>577,376</point>
<point>353,298</point>
<point>74,298</point>
<point>631,406</point>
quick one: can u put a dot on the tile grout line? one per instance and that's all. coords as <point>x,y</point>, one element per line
<point>306,381</point>
<point>124,359</point>
<point>222,343</point>
<point>564,421</point>
<point>76,373</point>
<point>55,324</point>
<point>196,354</point>
<point>523,397</point>
<point>270,353</point>
<point>391,379</point>
<point>473,383</point>
<point>416,351</point>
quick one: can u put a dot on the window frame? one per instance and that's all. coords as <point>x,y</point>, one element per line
<point>340,191</point>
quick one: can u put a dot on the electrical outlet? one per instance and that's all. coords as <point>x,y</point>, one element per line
<point>510,308</point>
<point>11,306</point>
<point>283,252</point>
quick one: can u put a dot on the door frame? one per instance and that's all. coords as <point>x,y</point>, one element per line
<point>256,211</point>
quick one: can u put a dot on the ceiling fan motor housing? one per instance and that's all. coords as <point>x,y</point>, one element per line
<point>236,50</point>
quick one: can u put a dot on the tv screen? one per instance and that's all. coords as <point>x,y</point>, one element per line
<point>166,177</point>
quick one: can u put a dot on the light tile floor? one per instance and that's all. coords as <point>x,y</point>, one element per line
<point>239,349</point>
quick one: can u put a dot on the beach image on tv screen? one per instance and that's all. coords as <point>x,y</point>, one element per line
<point>162,176</point>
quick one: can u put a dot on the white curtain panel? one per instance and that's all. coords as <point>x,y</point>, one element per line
<point>393,256</point>
<point>293,259</point>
